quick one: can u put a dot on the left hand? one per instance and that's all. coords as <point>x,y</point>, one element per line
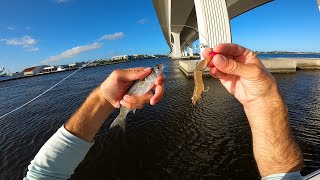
<point>115,87</point>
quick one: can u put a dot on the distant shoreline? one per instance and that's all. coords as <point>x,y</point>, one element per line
<point>284,52</point>
<point>54,72</point>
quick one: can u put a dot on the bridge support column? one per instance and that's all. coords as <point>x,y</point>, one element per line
<point>190,48</point>
<point>176,45</point>
<point>213,23</point>
<point>172,50</point>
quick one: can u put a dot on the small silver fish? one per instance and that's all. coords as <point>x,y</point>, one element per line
<point>139,87</point>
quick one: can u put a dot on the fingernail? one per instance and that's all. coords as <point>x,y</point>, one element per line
<point>122,102</point>
<point>147,69</point>
<point>125,97</point>
<point>220,60</point>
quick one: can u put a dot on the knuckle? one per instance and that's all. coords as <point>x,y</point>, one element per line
<point>262,73</point>
<point>258,71</point>
<point>232,66</point>
<point>129,106</point>
<point>116,72</point>
<point>134,71</point>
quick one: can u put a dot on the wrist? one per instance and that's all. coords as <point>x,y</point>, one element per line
<point>265,112</point>
<point>105,97</point>
<point>103,101</point>
<point>89,117</point>
<point>274,147</point>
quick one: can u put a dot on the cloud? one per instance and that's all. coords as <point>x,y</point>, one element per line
<point>32,49</point>
<point>143,21</point>
<point>73,52</point>
<point>11,28</point>
<point>114,36</point>
<point>27,42</point>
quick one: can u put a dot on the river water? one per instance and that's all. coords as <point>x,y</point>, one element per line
<point>172,140</point>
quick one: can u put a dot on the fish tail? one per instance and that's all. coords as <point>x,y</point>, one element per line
<point>120,119</point>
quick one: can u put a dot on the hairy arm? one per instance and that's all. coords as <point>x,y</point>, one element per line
<point>61,154</point>
<point>274,147</point>
<point>90,116</point>
<point>242,73</point>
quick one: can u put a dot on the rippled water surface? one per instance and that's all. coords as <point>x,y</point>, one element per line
<point>172,140</point>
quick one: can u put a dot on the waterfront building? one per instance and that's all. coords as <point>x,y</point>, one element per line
<point>139,56</point>
<point>49,69</point>
<point>72,66</point>
<point>121,57</point>
<point>31,71</point>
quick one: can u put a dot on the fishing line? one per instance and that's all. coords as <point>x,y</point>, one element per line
<point>37,97</point>
<point>40,95</point>
<point>203,45</point>
<point>180,25</point>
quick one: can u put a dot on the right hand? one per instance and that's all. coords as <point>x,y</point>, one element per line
<point>244,76</point>
<point>242,73</point>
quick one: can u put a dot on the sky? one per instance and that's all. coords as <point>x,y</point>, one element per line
<point>53,32</point>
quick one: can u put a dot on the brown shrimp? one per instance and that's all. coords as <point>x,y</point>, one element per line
<point>198,81</point>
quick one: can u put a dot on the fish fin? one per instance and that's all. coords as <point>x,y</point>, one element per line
<point>120,120</point>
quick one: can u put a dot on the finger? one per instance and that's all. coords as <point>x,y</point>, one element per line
<point>229,49</point>
<point>133,74</point>
<point>141,99</point>
<point>206,53</point>
<point>230,66</point>
<point>210,63</point>
<point>158,95</point>
<point>159,80</point>
<point>214,72</point>
<point>131,105</point>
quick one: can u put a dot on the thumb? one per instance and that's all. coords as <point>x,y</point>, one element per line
<point>135,73</point>
<point>230,66</point>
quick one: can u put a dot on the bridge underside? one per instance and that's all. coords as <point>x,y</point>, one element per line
<point>185,21</point>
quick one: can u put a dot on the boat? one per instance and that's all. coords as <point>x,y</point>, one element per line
<point>61,68</point>
<point>1,70</point>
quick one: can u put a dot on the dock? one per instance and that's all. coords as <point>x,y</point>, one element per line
<point>274,65</point>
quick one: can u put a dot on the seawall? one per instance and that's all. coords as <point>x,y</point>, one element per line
<point>275,65</point>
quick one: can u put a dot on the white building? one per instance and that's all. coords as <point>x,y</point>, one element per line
<point>122,57</point>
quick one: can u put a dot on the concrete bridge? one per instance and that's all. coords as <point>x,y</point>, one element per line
<point>185,21</point>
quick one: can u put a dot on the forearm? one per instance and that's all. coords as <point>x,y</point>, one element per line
<point>58,157</point>
<point>89,117</point>
<point>274,147</point>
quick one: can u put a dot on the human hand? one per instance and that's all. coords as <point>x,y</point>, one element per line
<point>115,87</point>
<point>245,77</point>
<point>242,73</point>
